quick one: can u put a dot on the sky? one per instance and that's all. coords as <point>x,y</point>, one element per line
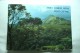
<point>43,11</point>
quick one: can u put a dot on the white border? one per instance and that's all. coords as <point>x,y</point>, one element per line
<point>75,17</point>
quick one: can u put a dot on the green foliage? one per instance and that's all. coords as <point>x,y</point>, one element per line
<point>53,48</point>
<point>30,33</point>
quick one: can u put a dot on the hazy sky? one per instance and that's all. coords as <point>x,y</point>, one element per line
<point>43,11</point>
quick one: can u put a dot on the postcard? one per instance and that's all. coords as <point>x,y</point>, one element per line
<point>39,27</point>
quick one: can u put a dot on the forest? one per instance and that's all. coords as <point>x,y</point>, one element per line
<point>32,33</point>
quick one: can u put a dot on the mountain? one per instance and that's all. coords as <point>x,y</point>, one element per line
<point>51,19</point>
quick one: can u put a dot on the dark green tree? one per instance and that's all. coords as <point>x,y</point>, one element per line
<point>14,12</point>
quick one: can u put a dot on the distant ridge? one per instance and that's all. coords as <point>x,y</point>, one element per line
<point>51,19</point>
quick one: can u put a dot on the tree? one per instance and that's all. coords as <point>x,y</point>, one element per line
<point>15,11</point>
<point>37,21</point>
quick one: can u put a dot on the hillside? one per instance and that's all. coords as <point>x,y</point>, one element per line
<point>51,19</point>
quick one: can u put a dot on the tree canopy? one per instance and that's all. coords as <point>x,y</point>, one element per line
<point>32,33</point>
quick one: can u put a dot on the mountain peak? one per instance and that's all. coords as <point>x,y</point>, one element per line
<point>51,19</point>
